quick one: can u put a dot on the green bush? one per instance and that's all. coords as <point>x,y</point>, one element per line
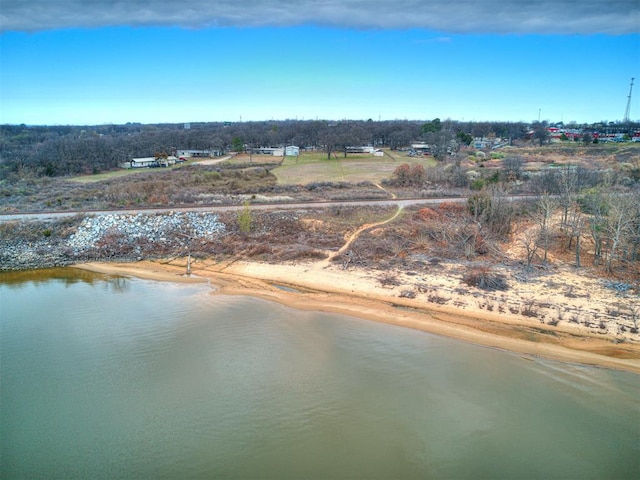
<point>477,184</point>
<point>244,218</point>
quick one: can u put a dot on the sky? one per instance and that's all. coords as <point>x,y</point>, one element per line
<point>90,62</point>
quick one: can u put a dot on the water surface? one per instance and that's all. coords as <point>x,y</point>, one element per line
<point>105,377</point>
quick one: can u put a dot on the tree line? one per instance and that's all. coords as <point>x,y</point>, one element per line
<point>71,150</point>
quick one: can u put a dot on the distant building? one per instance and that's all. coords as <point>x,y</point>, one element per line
<point>420,148</point>
<point>145,162</point>
<point>265,150</point>
<point>292,151</point>
<point>359,149</point>
<point>481,144</point>
<point>185,154</point>
<point>150,162</point>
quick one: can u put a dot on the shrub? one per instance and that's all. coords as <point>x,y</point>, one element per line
<point>477,184</point>
<point>389,280</point>
<point>244,219</point>
<point>485,279</point>
<point>406,175</point>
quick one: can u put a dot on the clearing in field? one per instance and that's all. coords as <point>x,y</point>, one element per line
<point>315,167</point>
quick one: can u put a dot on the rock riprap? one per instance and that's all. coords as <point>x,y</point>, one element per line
<point>151,228</point>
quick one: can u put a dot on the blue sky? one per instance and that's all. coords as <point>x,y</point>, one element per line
<point>104,66</point>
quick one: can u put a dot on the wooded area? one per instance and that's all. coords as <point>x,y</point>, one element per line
<point>72,150</point>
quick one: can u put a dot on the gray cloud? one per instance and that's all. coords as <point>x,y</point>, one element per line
<point>461,16</point>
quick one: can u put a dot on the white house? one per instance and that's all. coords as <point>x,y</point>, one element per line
<point>144,162</point>
<point>184,154</point>
<point>359,149</point>
<point>292,150</point>
<point>147,162</point>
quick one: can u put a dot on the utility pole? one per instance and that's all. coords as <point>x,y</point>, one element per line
<point>628,109</point>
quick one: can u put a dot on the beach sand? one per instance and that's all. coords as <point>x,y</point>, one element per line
<point>577,302</point>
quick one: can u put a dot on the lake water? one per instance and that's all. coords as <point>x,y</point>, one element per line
<point>105,377</point>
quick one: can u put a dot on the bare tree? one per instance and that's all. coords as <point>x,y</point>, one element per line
<point>529,240</point>
<point>512,168</point>
<point>569,183</point>
<point>621,219</point>
<point>545,206</point>
<point>575,224</point>
<point>540,132</point>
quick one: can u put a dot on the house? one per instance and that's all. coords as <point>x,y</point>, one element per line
<point>292,150</point>
<point>145,162</point>
<point>150,162</point>
<point>420,148</point>
<point>481,144</point>
<point>184,154</point>
<point>276,152</point>
<point>166,162</point>
<point>359,149</point>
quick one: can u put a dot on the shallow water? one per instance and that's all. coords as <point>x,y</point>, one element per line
<point>105,377</point>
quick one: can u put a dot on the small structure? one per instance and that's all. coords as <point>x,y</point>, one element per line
<point>266,151</point>
<point>185,154</point>
<point>420,149</point>
<point>168,161</point>
<point>359,149</point>
<point>144,162</point>
<point>292,151</point>
<point>150,162</point>
<point>479,143</point>
<point>378,153</point>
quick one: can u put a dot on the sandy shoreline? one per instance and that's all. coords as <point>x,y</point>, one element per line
<point>319,286</point>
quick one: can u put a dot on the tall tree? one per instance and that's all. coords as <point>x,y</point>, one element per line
<point>432,126</point>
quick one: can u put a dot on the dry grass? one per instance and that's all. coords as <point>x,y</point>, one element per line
<point>315,167</point>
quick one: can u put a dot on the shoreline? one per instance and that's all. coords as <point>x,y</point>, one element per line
<point>320,287</point>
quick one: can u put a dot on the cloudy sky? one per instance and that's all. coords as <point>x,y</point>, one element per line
<point>150,61</point>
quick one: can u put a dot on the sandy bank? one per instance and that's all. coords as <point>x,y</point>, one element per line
<point>321,287</point>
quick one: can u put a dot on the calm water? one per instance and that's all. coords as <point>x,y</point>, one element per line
<point>122,378</point>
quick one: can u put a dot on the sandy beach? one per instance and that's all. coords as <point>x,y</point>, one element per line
<point>322,287</point>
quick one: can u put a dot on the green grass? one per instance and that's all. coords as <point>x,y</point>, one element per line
<point>314,167</point>
<point>124,172</point>
<point>98,177</point>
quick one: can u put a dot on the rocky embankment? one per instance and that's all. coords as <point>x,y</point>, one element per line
<point>29,245</point>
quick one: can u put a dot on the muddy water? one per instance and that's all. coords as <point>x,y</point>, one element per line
<point>105,377</point>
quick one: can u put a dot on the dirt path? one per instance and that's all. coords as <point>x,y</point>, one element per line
<point>212,161</point>
<point>353,237</point>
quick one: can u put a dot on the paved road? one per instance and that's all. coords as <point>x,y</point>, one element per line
<point>43,216</point>
<point>402,202</point>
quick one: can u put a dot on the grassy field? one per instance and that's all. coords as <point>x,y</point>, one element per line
<point>314,167</point>
<point>98,177</point>
<point>106,175</point>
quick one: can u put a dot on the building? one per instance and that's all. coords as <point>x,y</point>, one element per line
<point>185,154</point>
<point>359,149</point>
<point>292,151</point>
<point>266,151</point>
<point>420,149</point>
<point>145,162</point>
<point>150,162</point>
